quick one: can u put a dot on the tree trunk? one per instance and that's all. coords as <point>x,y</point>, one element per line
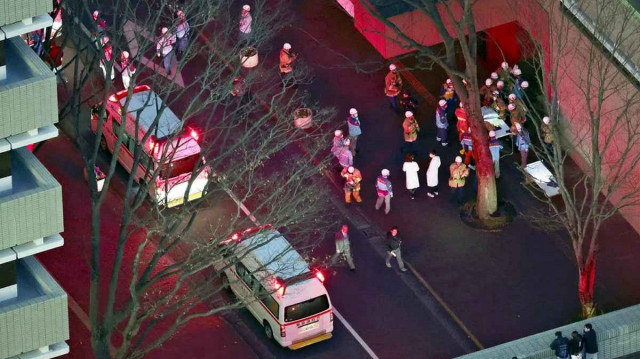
<point>487,200</point>
<point>586,279</point>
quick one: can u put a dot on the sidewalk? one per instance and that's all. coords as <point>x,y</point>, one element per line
<point>502,285</point>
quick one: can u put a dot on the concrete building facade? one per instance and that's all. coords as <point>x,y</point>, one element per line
<point>34,320</point>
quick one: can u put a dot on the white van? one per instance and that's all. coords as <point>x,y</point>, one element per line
<point>286,296</point>
<point>178,147</point>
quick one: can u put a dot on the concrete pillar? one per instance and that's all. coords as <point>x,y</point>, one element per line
<point>6,183</point>
<point>3,63</point>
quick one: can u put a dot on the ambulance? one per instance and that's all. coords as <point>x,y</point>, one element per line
<point>172,150</point>
<point>277,286</point>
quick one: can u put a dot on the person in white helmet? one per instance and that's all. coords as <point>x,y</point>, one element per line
<point>344,156</point>
<point>458,173</point>
<point>522,142</point>
<point>410,129</point>
<point>128,69</point>
<point>352,179</point>
<point>442,124</point>
<point>182,34</point>
<point>164,48</point>
<point>338,141</point>
<point>353,123</point>
<point>245,23</point>
<point>448,93</point>
<point>486,91</point>
<point>393,86</point>
<point>100,28</point>
<point>494,147</point>
<point>384,191</point>
<point>105,60</point>
<point>504,72</point>
<point>547,133</point>
<point>286,59</point>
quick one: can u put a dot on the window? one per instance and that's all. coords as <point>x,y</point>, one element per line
<point>267,299</point>
<point>125,138</point>
<point>306,309</point>
<point>175,168</point>
<point>244,274</point>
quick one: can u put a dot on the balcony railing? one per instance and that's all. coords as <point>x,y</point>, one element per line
<point>17,10</point>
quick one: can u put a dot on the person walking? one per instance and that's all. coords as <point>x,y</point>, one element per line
<point>458,174</point>
<point>590,342</point>
<point>547,134</point>
<point>105,60</point>
<point>522,143</point>
<point>353,123</point>
<point>393,86</point>
<point>384,191</point>
<point>245,23</point>
<point>286,59</point>
<point>394,242</point>
<point>494,147</point>
<point>182,34</point>
<point>432,174</point>
<point>164,49</point>
<point>560,346</point>
<point>575,345</point>
<point>442,124</point>
<point>411,169</point>
<point>352,178</point>
<point>411,128</point>
<point>128,69</point>
<point>343,247</point>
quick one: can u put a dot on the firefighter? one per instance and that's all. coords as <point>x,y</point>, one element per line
<point>486,91</point>
<point>442,125</point>
<point>504,72</point>
<point>352,178</point>
<point>286,58</point>
<point>393,86</point>
<point>128,69</point>
<point>353,123</point>
<point>164,49</point>
<point>448,93</point>
<point>457,178</point>
<point>107,50</point>
<point>182,34</point>
<point>467,145</point>
<point>462,124</point>
<point>410,128</point>
<point>547,133</point>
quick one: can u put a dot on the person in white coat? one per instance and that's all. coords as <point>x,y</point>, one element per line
<point>411,169</point>
<point>432,174</point>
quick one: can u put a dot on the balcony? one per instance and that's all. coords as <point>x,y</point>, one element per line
<point>18,10</point>
<point>28,97</point>
<point>31,212</point>
<point>36,323</point>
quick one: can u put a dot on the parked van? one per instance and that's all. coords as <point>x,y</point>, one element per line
<point>279,289</point>
<point>171,150</point>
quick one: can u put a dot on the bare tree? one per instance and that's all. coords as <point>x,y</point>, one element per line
<point>593,106</point>
<point>460,39</point>
<point>250,153</point>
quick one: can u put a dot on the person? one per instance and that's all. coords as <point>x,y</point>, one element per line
<point>352,178</point>
<point>245,23</point>
<point>560,346</point>
<point>448,93</point>
<point>504,72</point>
<point>353,123</point>
<point>107,50</point>
<point>338,141</point>
<point>522,142</point>
<point>494,147</point>
<point>442,125</point>
<point>286,59</point>
<point>408,102</point>
<point>575,345</point>
<point>486,91</point>
<point>458,173</point>
<point>394,242</point>
<point>590,342</point>
<point>411,128</point>
<point>182,34</point>
<point>343,247</point>
<point>547,133</point>
<point>467,146</point>
<point>462,125</point>
<point>54,59</point>
<point>344,156</point>
<point>128,69</point>
<point>100,28</point>
<point>432,174</point>
<point>164,48</point>
<point>393,86</point>
<point>411,169</point>
<point>384,191</point>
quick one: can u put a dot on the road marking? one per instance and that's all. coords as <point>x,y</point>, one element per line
<point>355,335</point>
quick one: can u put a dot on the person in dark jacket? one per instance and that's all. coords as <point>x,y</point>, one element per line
<point>393,244</point>
<point>590,342</point>
<point>575,345</point>
<point>560,346</point>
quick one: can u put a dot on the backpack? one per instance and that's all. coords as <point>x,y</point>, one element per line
<point>563,348</point>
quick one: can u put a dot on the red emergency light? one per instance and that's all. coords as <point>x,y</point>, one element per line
<point>279,286</point>
<point>320,276</point>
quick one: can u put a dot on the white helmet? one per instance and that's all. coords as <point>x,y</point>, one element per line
<point>286,46</point>
<point>180,13</point>
<point>164,30</point>
<point>488,82</point>
<point>492,133</point>
<point>449,81</point>
<point>461,105</point>
<point>518,126</point>
<point>337,133</point>
<point>96,14</point>
<point>442,103</point>
<point>125,54</point>
<point>458,159</point>
<point>546,120</point>
<point>500,84</point>
<point>496,93</point>
<point>350,169</point>
<point>517,71</point>
<point>246,8</point>
<point>512,97</point>
<point>408,114</point>
<point>385,172</point>
<point>105,39</point>
<point>494,76</point>
<point>504,65</point>
<point>511,107</point>
<point>524,84</point>
<point>392,67</point>
<point>353,111</point>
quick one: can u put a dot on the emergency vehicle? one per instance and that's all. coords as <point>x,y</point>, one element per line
<point>277,286</point>
<point>171,150</point>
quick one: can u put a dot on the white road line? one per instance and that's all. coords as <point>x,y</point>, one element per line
<point>355,334</point>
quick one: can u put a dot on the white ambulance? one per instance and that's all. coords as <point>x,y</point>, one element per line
<point>171,150</point>
<point>286,296</point>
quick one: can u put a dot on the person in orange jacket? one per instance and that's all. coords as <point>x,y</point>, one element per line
<point>286,59</point>
<point>352,178</point>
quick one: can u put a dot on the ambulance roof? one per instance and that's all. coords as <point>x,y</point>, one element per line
<point>273,253</point>
<point>149,102</point>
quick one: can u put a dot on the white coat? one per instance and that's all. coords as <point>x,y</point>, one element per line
<point>411,172</point>
<point>432,171</point>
